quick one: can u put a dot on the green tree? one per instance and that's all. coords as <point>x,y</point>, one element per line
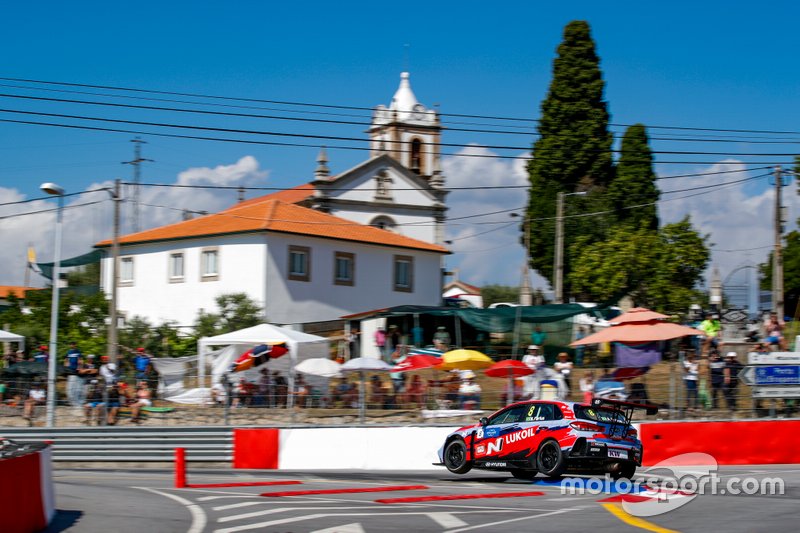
<point>573,152</point>
<point>236,311</point>
<point>493,294</point>
<point>659,270</point>
<point>635,181</point>
<point>791,270</point>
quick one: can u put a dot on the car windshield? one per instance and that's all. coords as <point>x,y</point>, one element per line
<point>599,415</point>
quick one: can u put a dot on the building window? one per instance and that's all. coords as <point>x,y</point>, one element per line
<point>383,222</point>
<point>176,267</point>
<point>344,265</point>
<point>403,273</point>
<point>415,158</point>
<point>126,271</point>
<point>300,263</point>
<point>209,264</point>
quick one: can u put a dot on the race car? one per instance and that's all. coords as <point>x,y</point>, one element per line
<point>551,438</point>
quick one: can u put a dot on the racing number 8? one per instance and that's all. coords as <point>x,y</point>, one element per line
<point>531,410</point>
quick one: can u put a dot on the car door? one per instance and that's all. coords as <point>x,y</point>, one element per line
<point>489,438</point>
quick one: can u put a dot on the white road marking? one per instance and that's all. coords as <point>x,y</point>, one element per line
<point>251,504</point>
<point>198,516</point>
<point>494,524</point>
<point>447,520</point>
<point>355,527</point>
<point>285,509</point>
<point>327,515</point>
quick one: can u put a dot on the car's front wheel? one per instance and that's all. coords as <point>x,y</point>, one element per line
<point>455,457</point>
<point>549,460</point>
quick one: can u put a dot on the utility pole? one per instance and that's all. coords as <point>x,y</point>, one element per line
<point>137,179</point>
<point>558,274</point>
<point>113,343</point>
<point>777,259</point>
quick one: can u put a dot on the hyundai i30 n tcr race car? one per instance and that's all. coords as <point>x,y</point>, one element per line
<point>551,438</point>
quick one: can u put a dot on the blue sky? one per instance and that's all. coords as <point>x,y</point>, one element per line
<point>700,64</point>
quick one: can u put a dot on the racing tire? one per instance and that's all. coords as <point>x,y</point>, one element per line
<point>549,459</point>
<point>527,475</point>
<point>626,470</point>
<point>455,457</point>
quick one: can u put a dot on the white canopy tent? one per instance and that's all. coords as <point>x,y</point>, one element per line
<point>7,336</point>
<point>301,346</point>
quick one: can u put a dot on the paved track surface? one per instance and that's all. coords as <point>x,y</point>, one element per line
<point>145,501</point>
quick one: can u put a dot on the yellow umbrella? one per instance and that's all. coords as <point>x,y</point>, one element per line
<point>464,360</point>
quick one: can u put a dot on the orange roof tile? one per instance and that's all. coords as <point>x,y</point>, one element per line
<point>277,216</point>
<point>5,290</point>
<point>292,196</point>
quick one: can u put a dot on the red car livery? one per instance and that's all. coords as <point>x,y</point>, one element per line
<point>550,437</point>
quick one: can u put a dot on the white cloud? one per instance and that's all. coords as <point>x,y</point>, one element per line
<point>484,252</point>
<point>85,226</point>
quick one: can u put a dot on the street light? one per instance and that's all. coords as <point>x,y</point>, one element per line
<point>55,190</point>
<point>525,297</point>
<point>558,268</point>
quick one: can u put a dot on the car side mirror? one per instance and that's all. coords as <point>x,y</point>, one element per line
<point>483,421</point>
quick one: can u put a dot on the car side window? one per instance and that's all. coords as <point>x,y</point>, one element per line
<point>543,411</point>
<point>509,416</point>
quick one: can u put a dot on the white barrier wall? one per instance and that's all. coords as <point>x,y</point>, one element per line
<point>400,448</point>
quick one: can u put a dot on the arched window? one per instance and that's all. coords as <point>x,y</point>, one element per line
<point>383,222</point>
<point>415,162</point>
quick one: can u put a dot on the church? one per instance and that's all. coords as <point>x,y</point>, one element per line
<point>369,237</point>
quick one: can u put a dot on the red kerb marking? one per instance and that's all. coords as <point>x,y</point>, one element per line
<point>626,498</point>
<point>343,491</point>
<point>242,484</point>
<point>460,497</point>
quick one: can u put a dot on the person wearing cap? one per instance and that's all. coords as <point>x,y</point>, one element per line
<point>731,379</point>
<point>41,355</point>
<point>141,363</point>
<point>534,359</point>
<point>94,402</point>
<point>441,339</point>
<point>564,366</point>
<point>716,371</point>
<point>469,391</point>
<point>108,371</point>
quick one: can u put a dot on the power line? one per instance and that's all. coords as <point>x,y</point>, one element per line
<point>73,206</point>
<point>361,108</point>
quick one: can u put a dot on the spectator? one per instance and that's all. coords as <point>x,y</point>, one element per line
<point>115,401</point>
<point>72,357</point>
<point>143,399</point>
<point>538,336</point>
<point>108,371</point>
<point>711,328</point>
<point>469,392</point>
<point>36,396</point>
<point>281,389</point>
<point>394,338</point>
<point>301,391</point>
<point>716,370</point>
<point>731,379</point>
<point>398,378</point>
<point>417,335</point>
<point>564,367</point>
<point>691,370</point>
<point>380,342</point>
<point>94,402</point>
<point>241,394</point>
<point>354,342</point>
<point>534,359</point>
<point>587,387</point>
<point>219,391</point>
<point>773,329</point>
<point>141,363</point>
<point>377,394</point>
<point>41,355</point>
<point>264,388</point>
<point>441,339</point>
<point>415,392</point>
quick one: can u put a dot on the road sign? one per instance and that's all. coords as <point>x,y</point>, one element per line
<point>735,315</point>
<point>770,375</point>
<point>774,358</point>
<point>776,392</point>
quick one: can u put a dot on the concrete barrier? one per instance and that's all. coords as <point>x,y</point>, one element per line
<point>27,500</point>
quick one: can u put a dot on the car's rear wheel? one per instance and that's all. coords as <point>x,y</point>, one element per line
<point>549,459</point>
<point>625,470</point>
<point>527,475</point>
<point>455,457</point>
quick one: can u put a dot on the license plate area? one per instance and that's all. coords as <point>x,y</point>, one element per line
<point>617,454</point>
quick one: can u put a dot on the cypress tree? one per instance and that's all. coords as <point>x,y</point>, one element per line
<point>635,181</point>
<point>573,152</point>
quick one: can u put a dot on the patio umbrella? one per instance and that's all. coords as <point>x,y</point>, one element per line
<point>362,365</point>
<point>320,366</point>
<point>416,362</point>
<point>638,332</point>
<point>638,314</point>
<point>426,351</point>
<point>259,355</point>
<point>464,360</point>
<point>509,368</point>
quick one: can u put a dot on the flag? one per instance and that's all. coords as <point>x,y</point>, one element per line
<point>32,260</point>
<point>258,356</point>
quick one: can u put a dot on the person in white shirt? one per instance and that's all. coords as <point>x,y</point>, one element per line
<point>564,367</point>
<point>534,359</point>
<point>469,391</point>
<point>36,396</point>
<point>690,372</point>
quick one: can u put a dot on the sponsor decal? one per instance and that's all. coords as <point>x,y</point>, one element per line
<point>480,449</point>
<point>479,433</point>
<point>491,432</point>
<point>520,435</point>
<point>495,446</point>
<point>495,464</point>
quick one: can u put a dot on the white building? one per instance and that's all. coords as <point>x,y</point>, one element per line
<point>367,238</point>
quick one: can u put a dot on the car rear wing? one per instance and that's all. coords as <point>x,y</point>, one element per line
<point>625,407</point>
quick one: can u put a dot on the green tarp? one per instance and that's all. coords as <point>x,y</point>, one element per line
<point>85,259</point>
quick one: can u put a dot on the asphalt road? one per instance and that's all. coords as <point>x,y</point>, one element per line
<point>145,501</point>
